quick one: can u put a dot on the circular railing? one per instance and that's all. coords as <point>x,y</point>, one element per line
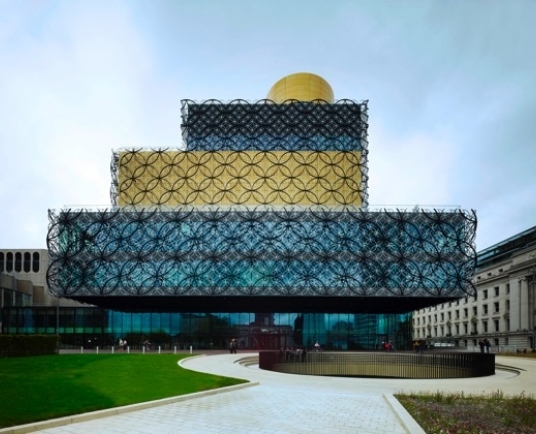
<point>380,364</point>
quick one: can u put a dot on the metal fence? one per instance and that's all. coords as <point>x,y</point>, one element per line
<point>380,364</point>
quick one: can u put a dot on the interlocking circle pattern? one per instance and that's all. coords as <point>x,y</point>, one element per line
<point>260,252</point>
<point>265,200</point>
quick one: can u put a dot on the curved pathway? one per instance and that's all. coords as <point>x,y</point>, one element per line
<point>284,403</point>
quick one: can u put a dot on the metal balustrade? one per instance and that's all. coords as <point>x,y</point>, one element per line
<point>380,364</point>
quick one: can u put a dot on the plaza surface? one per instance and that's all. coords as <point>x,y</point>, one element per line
<point>284,403</point>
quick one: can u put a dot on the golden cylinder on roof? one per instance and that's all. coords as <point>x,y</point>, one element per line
<point>302,86</point>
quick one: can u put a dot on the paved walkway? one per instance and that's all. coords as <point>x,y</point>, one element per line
<point>284,403</point>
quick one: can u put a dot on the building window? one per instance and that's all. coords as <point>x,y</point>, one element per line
<point>508,288</point>
<point>442,316</point>
<point>496,289</point>
<point>27,262</point>
<point>35,265</point>
<point>465,313</point>
<point>507,305</point>
<point>465,328</point>
<point>496,325</point>
<point>485,293</point>
<point>9,297</point>
<point>449,315</point>
<point>475,310</point>
<point>496,307</point>
<point>435,317</point>
<point>507,324</point>
<point>18,262</point>
<point>457,313</point>
<point>1,262</point>
<point>485,307</point>
<point>457,329</point>
<point>9,262</point>
<point>485,324</point>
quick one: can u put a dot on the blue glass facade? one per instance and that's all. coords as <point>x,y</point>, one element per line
<point>90,327</point>
<point>263,252</point>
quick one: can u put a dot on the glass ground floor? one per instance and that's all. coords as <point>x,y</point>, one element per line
<point>92,327</point>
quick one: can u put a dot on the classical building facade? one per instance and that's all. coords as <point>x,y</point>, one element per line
<point>257,229</point>
<point>502,310</point>
<point>23,278</point>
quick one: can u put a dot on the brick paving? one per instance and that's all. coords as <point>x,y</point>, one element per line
<point>284,403</point>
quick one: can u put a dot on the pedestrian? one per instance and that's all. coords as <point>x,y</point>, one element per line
<point>487,344</point>
<point>317,347</point>
<point>125,345</point>
<point>120,346</point>
<point>232,346</point>
<point>481,344</point>
<point>420,347</point>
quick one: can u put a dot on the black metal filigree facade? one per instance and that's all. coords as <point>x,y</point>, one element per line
<point>265,200</point>
<point>262,252</point>
<point>261,153</point>
<point>266,126</point>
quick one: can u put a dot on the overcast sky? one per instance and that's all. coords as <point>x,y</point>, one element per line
<point>451,88</point>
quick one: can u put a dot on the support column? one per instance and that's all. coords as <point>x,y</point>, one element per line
<point>531,306</point>
<point>524,306</point>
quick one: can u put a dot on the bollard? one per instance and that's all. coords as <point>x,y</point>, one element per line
<point>175,349</point>
<point>143,349</point>
<point>113,348</point>
<point>190,349</point>
<point>81,350</point>
<point>128,350</point>
<point>97,350</point>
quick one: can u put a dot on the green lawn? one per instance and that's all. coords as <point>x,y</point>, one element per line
<point>46,387</point>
